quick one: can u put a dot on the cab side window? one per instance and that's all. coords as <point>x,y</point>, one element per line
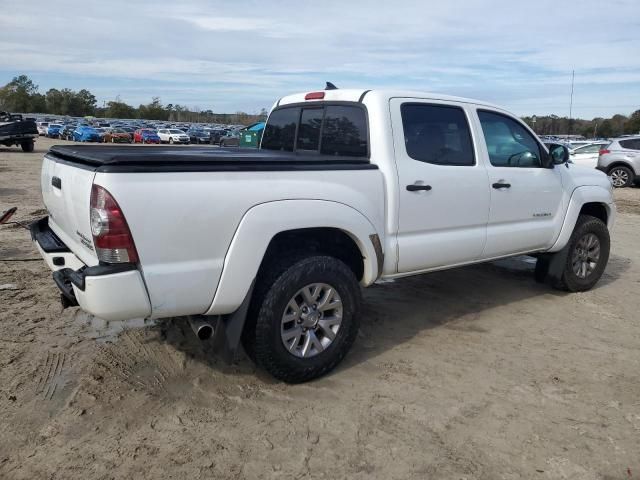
<point>437,134</point>
<point>509,144</point>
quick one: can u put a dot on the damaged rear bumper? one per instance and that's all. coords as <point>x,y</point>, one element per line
<point>111,292</point>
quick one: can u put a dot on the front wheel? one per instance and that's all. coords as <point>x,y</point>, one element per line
<point>171,141</point>
<point>587,255</point>
<point>621,176</point>
<point>304,319</point>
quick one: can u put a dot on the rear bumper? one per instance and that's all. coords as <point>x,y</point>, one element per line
<point>111,292</point>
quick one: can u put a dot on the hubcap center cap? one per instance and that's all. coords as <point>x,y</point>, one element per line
<point>310,320</point>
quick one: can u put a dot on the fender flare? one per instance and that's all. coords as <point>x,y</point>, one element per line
<point>264,221</point>
<point>579,197</point>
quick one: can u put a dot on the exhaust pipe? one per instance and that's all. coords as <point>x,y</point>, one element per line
<point>201,327</point>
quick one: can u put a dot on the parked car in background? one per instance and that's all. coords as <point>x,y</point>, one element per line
<point>146,135</point>
<point>198,136</point>
<point>216,134</point>
<point>117,135</point>
<point>42,127</point>
<point>587,155</point>
<point>621,161</point>
<point>86,133</point>
<point>129,130</point>
<point>231,139</point>
<point>172,135</point>
<point>66,132</point>
<point>53,130</point>
<point>102,132</point>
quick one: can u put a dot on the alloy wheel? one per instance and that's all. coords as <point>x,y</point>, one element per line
<point>586,255</point>
<point>619,177</point>
<point>311,320</point>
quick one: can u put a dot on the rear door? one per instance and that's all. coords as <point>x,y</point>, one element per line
<point>66,191</point>
<point>526,199</point>
<point>444,191</point>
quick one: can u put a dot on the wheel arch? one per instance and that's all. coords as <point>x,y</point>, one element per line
<point>280,227</point>
<point>620,163</point>
<point>586,200</point>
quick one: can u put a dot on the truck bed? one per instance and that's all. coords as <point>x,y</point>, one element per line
<point>132,159</point>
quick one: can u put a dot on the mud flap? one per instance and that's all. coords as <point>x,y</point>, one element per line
<point>228,331</point>
<point>555,265</point>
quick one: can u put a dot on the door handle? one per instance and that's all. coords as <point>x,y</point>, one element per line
<point>499,185</point>
<point>415,188</point>
<point>56,182</point>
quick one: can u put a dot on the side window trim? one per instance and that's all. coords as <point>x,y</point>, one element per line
<point>542,150</point>
<point>467,119</point>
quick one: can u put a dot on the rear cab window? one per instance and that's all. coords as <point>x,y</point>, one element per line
<point>327,128</point>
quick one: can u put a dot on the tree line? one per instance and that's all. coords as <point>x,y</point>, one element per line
<point>596,128</point>
<point>22,95</point>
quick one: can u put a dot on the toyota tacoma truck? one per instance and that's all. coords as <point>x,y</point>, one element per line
<point>269,248</point>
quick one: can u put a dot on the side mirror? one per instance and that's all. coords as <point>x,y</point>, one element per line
<point>558,154</point>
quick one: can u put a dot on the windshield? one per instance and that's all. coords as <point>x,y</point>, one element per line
<point>175,131</point>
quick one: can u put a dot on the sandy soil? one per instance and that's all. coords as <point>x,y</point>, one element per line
<point>477,373</point>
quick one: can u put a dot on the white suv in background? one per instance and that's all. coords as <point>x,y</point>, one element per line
<point>621,161</point>
<point>172,135</point>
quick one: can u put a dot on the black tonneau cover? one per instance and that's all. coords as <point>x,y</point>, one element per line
<point>184,159</point>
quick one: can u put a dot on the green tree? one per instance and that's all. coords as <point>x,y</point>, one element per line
<point>153,110</point>
<point>16,96</point>
<point>633,124</point>
<point>117,109</point>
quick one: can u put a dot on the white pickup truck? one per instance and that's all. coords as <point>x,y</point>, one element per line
<point>271,246</point>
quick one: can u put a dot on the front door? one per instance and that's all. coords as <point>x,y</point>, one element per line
<point>526,198</point>
<point>443,189</point>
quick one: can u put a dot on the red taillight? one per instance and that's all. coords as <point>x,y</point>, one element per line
<point>111,235</point>
<point>314,96</point>
<point>604,151</point>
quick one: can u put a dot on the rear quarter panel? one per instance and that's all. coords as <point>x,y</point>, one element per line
<point>183,223</point>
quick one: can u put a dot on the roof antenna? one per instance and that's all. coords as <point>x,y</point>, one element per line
<point>330,86</point>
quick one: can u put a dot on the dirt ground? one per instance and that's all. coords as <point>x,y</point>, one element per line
<point>476,373</point>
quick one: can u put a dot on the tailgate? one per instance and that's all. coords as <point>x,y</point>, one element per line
<point>66,191</point>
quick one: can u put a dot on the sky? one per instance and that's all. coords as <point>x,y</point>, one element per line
<point>231,56</point>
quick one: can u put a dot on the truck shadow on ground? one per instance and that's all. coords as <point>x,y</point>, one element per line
<point>396,311</point>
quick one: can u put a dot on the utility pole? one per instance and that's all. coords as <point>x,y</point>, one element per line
<point>573,72</point>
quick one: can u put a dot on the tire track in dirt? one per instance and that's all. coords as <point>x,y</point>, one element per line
<point>138,360</point>
<point>52,379</point>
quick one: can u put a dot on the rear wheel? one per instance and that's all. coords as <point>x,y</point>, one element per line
<point>27,146</point>
<point>621,176</point>
<point>303,319</point>
<point>171,140</point>
<point>587,255</point>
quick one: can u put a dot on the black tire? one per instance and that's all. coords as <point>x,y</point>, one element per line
<point>623,172</point>
<point>171,140</point>
<point>261,336</point>
<point>27,146</point>
<point>571,282</point>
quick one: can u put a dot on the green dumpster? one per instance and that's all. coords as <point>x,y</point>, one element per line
<point>251,135</point>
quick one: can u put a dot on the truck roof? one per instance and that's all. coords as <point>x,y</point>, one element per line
<point>357,95</point>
